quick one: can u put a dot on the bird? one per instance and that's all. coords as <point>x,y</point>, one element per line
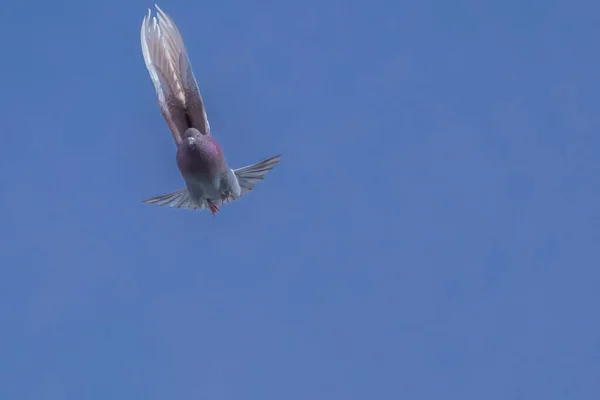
<point>209,181</point>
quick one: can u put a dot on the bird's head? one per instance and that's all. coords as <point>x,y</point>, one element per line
<point>191,136</point>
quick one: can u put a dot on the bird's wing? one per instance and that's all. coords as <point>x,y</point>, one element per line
<point>171,73</point>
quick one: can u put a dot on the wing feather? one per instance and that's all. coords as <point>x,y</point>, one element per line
<point>171,73</point>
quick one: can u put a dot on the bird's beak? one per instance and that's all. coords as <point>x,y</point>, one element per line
<point>190,140</point>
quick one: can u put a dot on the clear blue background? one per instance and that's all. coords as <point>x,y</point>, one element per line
<point>431,232</point>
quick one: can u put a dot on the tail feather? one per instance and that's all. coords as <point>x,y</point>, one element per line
<point>250,175</point>
<point>180,199</point>
<point>247,178</point>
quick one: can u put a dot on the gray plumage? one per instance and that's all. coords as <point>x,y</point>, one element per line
<point>209,180</point>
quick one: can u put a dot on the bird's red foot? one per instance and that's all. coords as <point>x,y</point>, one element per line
<point>213,207</point>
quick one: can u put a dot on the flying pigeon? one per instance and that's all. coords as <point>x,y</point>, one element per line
<point>208,179</point>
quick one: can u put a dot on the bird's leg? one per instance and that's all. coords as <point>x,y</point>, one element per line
<point>225,196</point>
<point>213,207</point>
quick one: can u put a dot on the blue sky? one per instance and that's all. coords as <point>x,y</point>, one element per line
<point>431,232</point>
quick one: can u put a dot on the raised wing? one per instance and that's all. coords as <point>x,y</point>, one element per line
<point>168,64</point>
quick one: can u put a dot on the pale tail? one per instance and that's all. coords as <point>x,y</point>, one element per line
<point>178,199</point>
<point>249,176</point>
<point>181,199</point>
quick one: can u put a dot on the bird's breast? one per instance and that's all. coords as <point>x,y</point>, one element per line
<point>203,158</point>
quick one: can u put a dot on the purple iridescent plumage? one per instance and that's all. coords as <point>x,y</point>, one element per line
<point>209,180</point>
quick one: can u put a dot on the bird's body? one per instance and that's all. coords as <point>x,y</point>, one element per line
<point>204,169</point>
<point>209,180</point>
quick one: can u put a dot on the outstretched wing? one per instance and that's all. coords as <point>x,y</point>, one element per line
<point>168,64</point>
